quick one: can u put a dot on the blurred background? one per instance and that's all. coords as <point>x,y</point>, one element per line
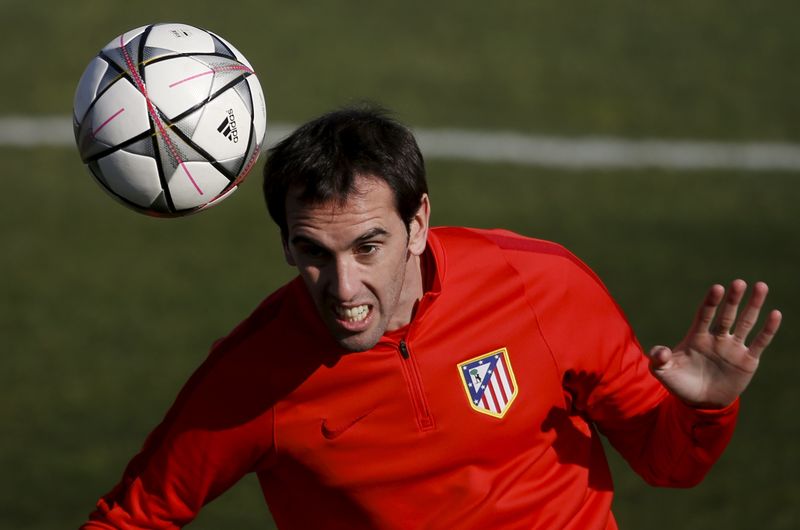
<point>104,312</point>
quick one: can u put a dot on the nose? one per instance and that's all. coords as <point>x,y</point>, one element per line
<point>344,279</point>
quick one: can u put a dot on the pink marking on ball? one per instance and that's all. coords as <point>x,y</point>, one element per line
<point>95,131</point>
<point>214,70</point>
<point>190,78</point>
<point>188,174</point>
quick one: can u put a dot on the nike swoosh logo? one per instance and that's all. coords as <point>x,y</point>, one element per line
<point>331,433</point>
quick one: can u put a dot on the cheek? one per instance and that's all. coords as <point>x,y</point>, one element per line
<point>395,279</point>
<point>311,276</point>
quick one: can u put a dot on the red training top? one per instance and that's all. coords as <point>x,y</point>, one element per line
<point>483,412</point>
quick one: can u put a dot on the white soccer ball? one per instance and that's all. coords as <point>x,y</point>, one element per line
<point>169,119</point>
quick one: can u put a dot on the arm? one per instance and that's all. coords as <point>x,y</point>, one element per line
<point>679,438</point>
<point>705,375</point>
<point>606,377</point>
<point>215,433</point>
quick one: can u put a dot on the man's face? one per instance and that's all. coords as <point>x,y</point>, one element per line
<point>359,261</point>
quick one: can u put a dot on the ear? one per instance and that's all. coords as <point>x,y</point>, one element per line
<point>287,254</point>
<point>418,228</point>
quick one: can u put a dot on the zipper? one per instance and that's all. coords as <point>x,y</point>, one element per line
<point>415,388</point>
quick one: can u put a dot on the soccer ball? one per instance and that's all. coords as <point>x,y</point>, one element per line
<point>169,119</point>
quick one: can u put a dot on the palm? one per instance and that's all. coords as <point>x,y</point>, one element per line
<point>712,366</point>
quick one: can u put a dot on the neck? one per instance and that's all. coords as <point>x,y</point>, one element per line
<point>411,292</point>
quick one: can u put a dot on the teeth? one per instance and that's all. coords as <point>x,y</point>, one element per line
<point>353,314</point>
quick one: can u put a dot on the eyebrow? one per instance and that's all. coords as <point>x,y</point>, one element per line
<point>366,236</point>
<point>303,239</point>
<point>371,234</point>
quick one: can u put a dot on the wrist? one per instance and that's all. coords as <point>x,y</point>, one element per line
<point>710,408</point>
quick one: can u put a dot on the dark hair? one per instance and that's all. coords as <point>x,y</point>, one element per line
<point>323,158</point>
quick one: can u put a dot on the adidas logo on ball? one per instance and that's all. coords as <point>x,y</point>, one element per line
<point>228,127</point>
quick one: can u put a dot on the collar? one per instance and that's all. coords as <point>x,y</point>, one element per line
<point>433,266</point>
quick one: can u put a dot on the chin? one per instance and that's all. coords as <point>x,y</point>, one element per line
<point>357,343</point>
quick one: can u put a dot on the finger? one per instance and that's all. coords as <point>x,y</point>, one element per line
<point>726,315</point>
<point>749,316</point>
<point>766,334</point>
<point>705,313</point>
<point>659,357</point>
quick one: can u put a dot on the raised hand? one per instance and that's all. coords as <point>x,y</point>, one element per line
<point>713,365</point>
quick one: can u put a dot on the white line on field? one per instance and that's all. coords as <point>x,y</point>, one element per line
<point>507,147</point>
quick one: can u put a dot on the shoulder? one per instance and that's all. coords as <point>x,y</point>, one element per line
<point>528,255</point>
<point>264,316</point>
<point>236,358</point>
<point>500,239</point>
<point>234,379</point>
<point>555,280</point>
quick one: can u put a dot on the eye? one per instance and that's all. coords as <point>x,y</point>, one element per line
<point>312,251</point>
<point>367,249</point>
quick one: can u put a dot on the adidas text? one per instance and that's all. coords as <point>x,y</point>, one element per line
<point>228,127</point>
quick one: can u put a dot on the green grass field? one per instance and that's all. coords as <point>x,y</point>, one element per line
<point>105,312</point>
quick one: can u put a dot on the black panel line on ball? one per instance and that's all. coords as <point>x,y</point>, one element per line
<point>222,43</point>
<point>212,97</point>
<point>252,121</point>
<point>162,177</point>
<point>253,132</point>
<point>143,88</point>
<point>153,125</point>
<point>190,55</point>
<point>250,137</point>
<point>111,62</point>
<point>142,43</point>
<point>205,154</point>
<point>116,195</point>
<point>118,147</point>
<point>122,74</point>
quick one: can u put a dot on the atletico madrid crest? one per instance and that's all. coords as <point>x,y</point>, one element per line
<point>489,382</point>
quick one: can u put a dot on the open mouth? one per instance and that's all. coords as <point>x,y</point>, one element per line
<point>352,315</point>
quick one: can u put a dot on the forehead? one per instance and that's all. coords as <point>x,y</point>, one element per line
<point>370,204</point>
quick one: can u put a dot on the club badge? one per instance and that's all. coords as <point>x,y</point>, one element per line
<point>489,382</point>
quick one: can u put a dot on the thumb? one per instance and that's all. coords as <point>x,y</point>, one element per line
<point>659,356</point>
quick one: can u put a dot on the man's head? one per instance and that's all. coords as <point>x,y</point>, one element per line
<point>348,191</point>
<point>323,158</point>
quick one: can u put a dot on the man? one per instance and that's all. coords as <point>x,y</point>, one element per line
<point>431,378</point>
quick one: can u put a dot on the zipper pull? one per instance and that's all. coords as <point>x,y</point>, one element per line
<point>403,349</point>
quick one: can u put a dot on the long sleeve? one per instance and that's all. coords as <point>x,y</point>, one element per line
<point>605,373</point>
<point>673,445</point>
<point>218,430</point>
